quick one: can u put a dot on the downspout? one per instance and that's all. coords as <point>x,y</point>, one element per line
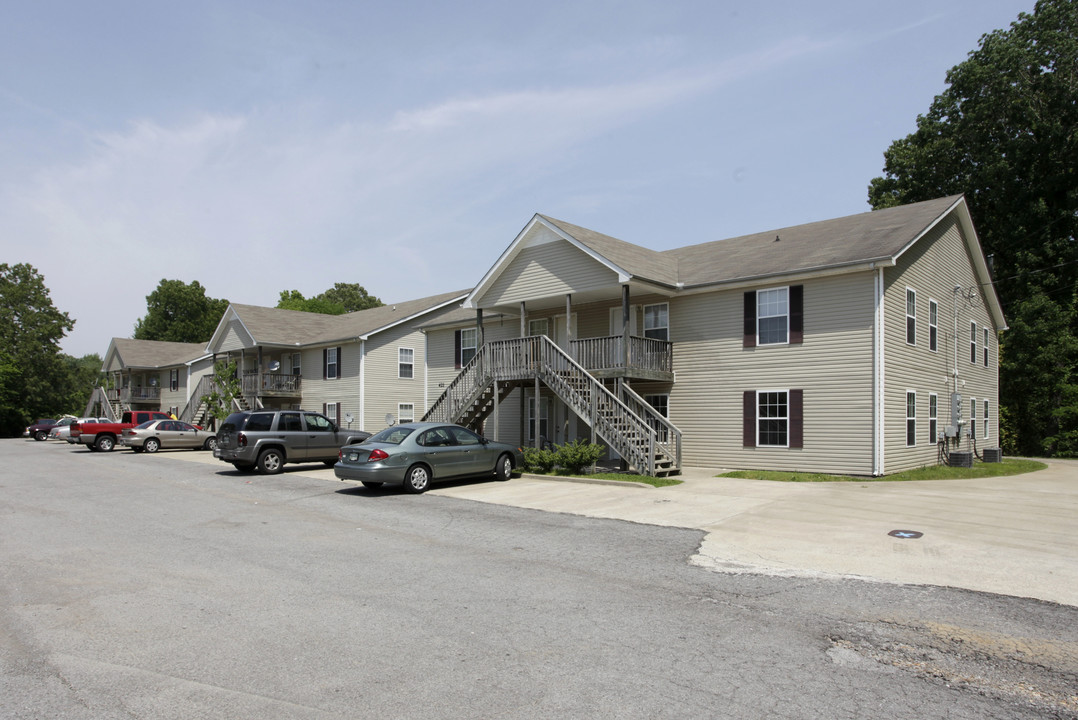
<point>362,384</point>
<point>878,377</point>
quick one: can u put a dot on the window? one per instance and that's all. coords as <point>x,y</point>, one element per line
<point>318,423</point>
<point>538,327</point>
<point>287,422</point>
<point>296,364</point>
<point>331,363</point>
<point>405,362</point>
<point>772,428</point>
<point>544,414</point>
<point>772,316</point>
<point>972,418</point>
<point>463,436</point>
<point>986,347</point>
<point>330,410</point>
<point>911,419</point>
<point>933,417</point>
<point>973,342</point>
<point>466,342</point>
<point>657,321</point>
<point>405,412</point>
<point>985,419</point>
<point>911,316</point>
<point>174,380</point>
<point>933,325</point>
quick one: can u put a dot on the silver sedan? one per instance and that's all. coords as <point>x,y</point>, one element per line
<point>153,435</point>
<point>415,454</point>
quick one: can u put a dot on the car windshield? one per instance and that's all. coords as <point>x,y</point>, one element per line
<point>391,435</point>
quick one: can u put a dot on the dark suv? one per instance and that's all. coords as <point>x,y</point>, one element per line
<point>267,439</point>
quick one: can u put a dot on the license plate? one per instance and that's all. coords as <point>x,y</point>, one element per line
<point>353,457</point>
<point>217,452</point>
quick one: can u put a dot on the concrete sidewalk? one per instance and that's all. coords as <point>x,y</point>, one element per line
<point>1010,535</point>
<point>1013,535</point>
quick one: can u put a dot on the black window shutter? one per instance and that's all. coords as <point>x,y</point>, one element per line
<point>748,419</point>
<point>797,314</point>
<point>340,362</point>
<point>750,319</point>
<point>456,349</point>
<point>797,418</point>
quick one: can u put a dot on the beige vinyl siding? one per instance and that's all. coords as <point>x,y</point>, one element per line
<point>235,338</point>
<point>344,390</point>
<point>833,367</point>
<point>916,368</point>
<point>545,270</point>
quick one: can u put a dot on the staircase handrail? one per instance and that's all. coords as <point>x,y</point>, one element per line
<point>644,408</point>
<point>100,396</point>
<point>204,388</point>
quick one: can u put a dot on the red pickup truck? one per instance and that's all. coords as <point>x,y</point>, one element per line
<point>103,436</point>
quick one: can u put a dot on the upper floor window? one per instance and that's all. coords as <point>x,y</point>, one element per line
<point>467,342</point>
<point>933,326</point>
<point>986,347</point>
<point>174,380</point>
<point>331,363</point>
<point>540,326</point>
<point>405,362</point>
<point>296,369</point>
<point>911,316</point>
<point>973,342</point>
<point>774,316</point>
<point>657,321</point>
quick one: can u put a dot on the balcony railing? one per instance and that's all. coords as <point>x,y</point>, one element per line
<point>129,395</point>
<point>261,384</point>
<point>608,354</point>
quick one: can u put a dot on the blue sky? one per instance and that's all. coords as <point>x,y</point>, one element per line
<point>266,146</point>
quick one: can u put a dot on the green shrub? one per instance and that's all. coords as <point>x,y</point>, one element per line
<point>578,455</point>
<point>538,461</point>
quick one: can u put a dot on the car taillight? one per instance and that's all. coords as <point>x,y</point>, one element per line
<point>377,454</point>
<point>241,440</point>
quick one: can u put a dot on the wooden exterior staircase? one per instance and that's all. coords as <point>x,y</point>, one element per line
<point>646,440</point>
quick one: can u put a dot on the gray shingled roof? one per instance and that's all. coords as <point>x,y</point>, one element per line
<point>866,237</point>
<point>156,353</point>
<point>272,326</point>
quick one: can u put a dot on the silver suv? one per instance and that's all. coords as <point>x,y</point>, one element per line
<point>267,439</point>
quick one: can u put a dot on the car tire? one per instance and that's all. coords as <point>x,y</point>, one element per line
<point>270,461</point>
<point>105,443</point>
<point>504,469</point>
<point>136,449</point>
<point>243,467</point>
<point>151,445</point>
<point>329,463</point>
<point>371,484</point>
<point>417,480</point>
<point>210,444</point>
<point>41,435</point>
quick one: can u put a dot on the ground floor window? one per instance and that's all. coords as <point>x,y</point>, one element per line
<point>773,418</point>
<point>972,418</point>
<point>544,419</point>
<point>911,419</point>
<point>332,411</point>
<point>985,419</point>
<point>933,417</point>
<point>405,412</point>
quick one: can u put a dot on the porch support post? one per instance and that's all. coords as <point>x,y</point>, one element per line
<point>625,325</point>
<point>535,412</point>
<point>479,326</point>
<point>497,425</point>
<point>523,322</point>
<point>568,322</point>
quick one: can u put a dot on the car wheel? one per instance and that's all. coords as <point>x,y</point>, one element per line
<point>151,445</point>
<point>270,462</point>
<point>243,467</point>
<point>105,443</point>
<point>418,479</point>
<point>371,484</point>
<point>211,443</point>
<point>41,435</point>
<point>504,469</point>
<point>329,463</point>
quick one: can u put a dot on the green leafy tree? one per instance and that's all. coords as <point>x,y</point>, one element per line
<point>31,371</point>
<point>226,388</point>
<point>180,312</point>
<point>341,298</point>
<point>1005,133</point>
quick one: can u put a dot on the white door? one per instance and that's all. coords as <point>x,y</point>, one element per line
<point>616,320</point>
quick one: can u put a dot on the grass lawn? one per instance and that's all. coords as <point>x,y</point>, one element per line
<point>1009,466</point>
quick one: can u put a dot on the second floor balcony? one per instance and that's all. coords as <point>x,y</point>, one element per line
<point>264,384</point>
<point>626,357</point>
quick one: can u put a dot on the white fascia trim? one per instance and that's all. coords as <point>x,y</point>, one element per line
<point>362,384</point>
<point>230,312</point>
<point>395,323</point>
<point>789,278</point>
<point>878,375</point>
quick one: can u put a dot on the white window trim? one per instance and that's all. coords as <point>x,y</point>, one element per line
<point>786,418</point>
<point>760,316</point>
<point>331,411</point>
<point>544,322</point>
<point>973,417</point>
<point>666,327</point>
<point>544,413</point>
<point>401,363</point>
<point>906,428</point>
<point>986,346</point>
<point>335,363</point>
<point>933,416</point>
<point>473,333</point>
<point>986,418</point>
<point>974,356</point>
<point>400,412</point>
<point>933,325</point>
<point>906,327</point>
